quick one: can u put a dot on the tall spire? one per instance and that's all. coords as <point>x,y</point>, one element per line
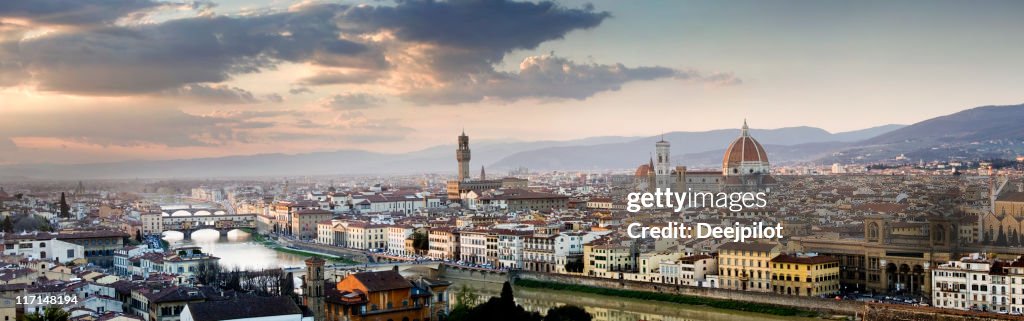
<point>746,129</point>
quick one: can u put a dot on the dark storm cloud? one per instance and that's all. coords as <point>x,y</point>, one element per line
<point>493,26</point>
<point>471,36</point>
<point>74,12</point>
<point>553,77</point>
<point>427,51</point>
<point>124,60</point>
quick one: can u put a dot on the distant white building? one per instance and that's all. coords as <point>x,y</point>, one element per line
<point>694,270</point>
<point>396,239</point>
<point>980,284</point>
<point>569,247</point>
<point>51,249</point>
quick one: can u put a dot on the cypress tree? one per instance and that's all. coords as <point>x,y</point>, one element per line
<point>65,209</point>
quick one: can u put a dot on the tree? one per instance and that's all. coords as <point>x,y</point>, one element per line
<point>1001,240</point>
<point>288,285</point>
<point>7,225</point>
<point>465,296</point>
<point>465,299</point>
<point>567,313</point>
<point>420,242</point>
<point>504,308</point>
<point>65,209</point>
<point>42,224</point>
<point>506,293</point>
<point>208,273</point>
<point>51,313</point>
<point>138,235</point>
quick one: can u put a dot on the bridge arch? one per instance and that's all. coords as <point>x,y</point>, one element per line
<point>223,223</point>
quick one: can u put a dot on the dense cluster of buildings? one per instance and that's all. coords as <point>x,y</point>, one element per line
<point>941,238</point>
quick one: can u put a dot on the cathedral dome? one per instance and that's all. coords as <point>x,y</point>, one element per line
<point>643,171</point>
<point>745,155</point>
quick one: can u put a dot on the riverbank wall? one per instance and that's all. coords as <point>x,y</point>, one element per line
<point>456,272</point>
<point>354,255</point>
<point>858,310</point>
<point>828,306</point>
<point>814,304</point>
<point>889,312</point>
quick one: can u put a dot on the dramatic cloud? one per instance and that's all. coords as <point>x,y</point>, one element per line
<point>125,60</point>
<point>74,12</point>
<point>350,101</point>
<point>427,52</point>
<point>336,77</point>
<point>552,77</point>
<point>474,35</point>
<point>221,94</point>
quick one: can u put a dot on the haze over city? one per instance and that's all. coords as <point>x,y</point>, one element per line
<point>85,83</point>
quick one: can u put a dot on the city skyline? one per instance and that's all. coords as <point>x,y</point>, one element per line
<point>154,80</point>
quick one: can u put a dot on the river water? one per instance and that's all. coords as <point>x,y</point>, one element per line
<point>238,250</point>
<point>606,308</point>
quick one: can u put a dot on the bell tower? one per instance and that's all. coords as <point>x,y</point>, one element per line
<point>313,287</point>
<point>462,155</point>
<point>662,169</point>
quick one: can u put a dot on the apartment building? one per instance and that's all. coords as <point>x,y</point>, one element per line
<point>746,266</point>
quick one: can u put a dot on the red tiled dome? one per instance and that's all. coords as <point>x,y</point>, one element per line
<point>643,171</point>
<point>744,149</point>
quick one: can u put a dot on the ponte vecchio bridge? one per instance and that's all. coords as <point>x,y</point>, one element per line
<point>189,220</point>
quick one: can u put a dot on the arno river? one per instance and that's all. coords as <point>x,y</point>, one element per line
<point>606,308</point>
<point>237,249</point>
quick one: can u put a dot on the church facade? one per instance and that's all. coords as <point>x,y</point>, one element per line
<point>745,168</point>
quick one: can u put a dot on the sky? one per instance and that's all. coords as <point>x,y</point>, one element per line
<point>98,81</point>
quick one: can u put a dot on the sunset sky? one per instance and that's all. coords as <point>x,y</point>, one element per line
<point>97,81</point>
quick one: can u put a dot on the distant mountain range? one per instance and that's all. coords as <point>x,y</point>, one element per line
<point>980,132</point>
<point>696,149</point>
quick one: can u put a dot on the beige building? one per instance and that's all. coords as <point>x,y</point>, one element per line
<point>539,253</point>
<point>608,260</point>
<point>304,222</point>
<point>444,244</point>
<point>805,275</point>
<point>746,266</point>
<point>152,223</point>
<point>514,199</point>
